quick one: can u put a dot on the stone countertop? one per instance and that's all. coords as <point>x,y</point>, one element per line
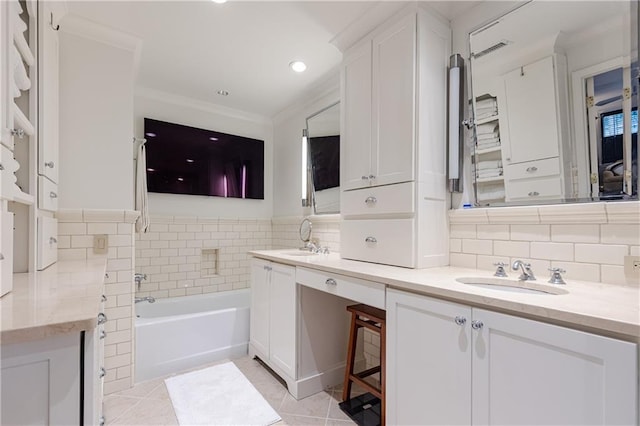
<point>605,308</point>
<point>63,298</point>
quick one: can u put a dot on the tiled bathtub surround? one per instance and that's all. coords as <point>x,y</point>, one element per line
<point>325,229</point>
<point>76,229</point>
<point>171,254</point>
<point>589,241</point>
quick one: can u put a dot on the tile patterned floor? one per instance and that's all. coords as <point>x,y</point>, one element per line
<point>148,403</point>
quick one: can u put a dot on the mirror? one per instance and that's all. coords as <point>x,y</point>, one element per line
<point>323,148</point>
<point>305,230</point>
<point>554,97</point>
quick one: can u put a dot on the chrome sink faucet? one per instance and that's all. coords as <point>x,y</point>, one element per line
<point>138,277</point>
<point>527,273</point>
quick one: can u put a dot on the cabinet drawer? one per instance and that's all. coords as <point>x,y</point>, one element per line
<point>48,194</point>
<point>362,291</point>
<point>534,169</point>
<point>389,199</point>
<point>47,241</point>
<point>387,241</point>
<point>532,189</point>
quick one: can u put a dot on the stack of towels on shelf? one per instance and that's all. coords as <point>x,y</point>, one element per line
<point>488,169</point>
<point>21,81</point>
<point>487,135</point>
<point>486,108</point>
<point>495,192</point>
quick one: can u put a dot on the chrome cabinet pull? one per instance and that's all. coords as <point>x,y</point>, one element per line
<point>102,318</point>
<point>532,169</point>
<point>371,240</point>
<point>372,176</point>
<point>49,164</point>
<point>52,240</point>
<point>103,334</point>
<point>53,195</point>
<point>534,194</point>
<point>371,200</point>
<point>330,281</point>
<point>102,373</point>
<point>460,320</point>
<point>365,177</point>
<point>477,324</point>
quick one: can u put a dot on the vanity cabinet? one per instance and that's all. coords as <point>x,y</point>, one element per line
<point>449,363</point>
<point>273,315</point>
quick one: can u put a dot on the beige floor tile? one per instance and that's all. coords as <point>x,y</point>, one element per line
<point>313,406</point>
<point>292,420</point>
<point>149,412</point>
<point>159,392</point>
<point>141,390</point>
<point>114,406</point>
<point>335,413</point>
<point>334,422</point>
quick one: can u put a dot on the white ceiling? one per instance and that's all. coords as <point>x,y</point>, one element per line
<point>195,48</point>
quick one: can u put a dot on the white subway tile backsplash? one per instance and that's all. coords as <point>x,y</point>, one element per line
<point>493,232</point>
<point>72,228</point>
<point>634,250</point>
<point>463,260</point>
<point>611,274</point>
<point>601,253</point>
<point>511,248</point>
<point>477,246</point>
<point>578,271</point>
<point>552,251</point>
<point>530,232</point>
<point>588,233</point>
<point>620,234</point>
<point>488,262</point>
<point>462,231</point>
<point>72,254</point>
<point>102,228</point>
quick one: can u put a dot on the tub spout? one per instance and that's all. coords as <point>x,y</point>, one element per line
<point>145,299</point>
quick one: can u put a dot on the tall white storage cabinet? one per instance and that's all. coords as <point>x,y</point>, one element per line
<point>450,363</point>
<point>393,85</point>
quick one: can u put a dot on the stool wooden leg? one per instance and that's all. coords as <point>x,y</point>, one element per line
<point>383,371</point>
<point>351,355</point>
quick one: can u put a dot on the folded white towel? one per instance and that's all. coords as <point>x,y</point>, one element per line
<point>491,195</point>
<point>487,115</point>
<point>21,43</point>
<point>488,135</point>
<point>19,71</point>
<point>487,128</point>
<point>489,173</point>
<point>488,143</point>
<point>15,90</point>
<point>488,164</point>
<point>487,109</point>
<point>486,103</point>
<point>487,146</point>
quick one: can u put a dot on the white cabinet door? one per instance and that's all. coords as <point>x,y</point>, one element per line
<point>260,294</point>
<point>282,318</point>
<point>428,361</point>
<point>532,112</point>
<point>355,107</point>
<point>394,77</point>
<point>527,372</point>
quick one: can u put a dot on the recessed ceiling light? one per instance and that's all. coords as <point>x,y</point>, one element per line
<point>180,179</point>
<point>189,160</point>
<point>222,92</point>
<point>298,66</point>
<point>151,135</point>
<point>151,170</point>
<point>213,139</point>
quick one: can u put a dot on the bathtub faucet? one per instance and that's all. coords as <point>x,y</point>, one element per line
<point>145,299</point>
<point>138,277</point>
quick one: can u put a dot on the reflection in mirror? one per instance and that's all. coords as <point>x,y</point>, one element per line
<point>305,230</point>
<point>554,106</point>
<point>323,138</point>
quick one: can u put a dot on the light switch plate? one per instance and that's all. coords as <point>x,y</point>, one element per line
<point>632,266</point>
<point>100,243</point>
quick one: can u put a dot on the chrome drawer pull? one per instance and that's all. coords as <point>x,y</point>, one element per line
<point>102,318</point>
<point>534,194</point>
<point>330,281</point>
<point>53,195</point>
<point>365,177</point>
<point>372,176</point>
<point>49,164</point>
<point>52,240</point>
<point>371,240</point>
<point>460,320</point>
<point>103,334</point>
<point>477,324</point>
<point>532,169</point>
<point>371,200</point>
<point>103,372</point>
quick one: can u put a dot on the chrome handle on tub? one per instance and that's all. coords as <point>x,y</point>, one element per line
<point>460,320</point>
<point>370,240</point>
<point>103,334</point>
<point>102,318</point>
<point>371,200</point>
<point>532,169</point>
<point>330,281</point>
<point>534,194</point>
<point>49,164</point>
<point>477,324</point>
<point>102,373</point>
<point>53,195</point>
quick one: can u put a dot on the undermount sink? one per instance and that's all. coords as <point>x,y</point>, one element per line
<point>512,286</point>
<point>300,253</point>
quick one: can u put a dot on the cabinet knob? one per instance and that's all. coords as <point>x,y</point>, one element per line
<point>17,132</point>
<point>371,240</point>
<point>372,176</point>
<point>532,169</point>
<point>477,324</point>
<point>330,281</point>
<point>52,240</point>
<point>371,200</point>
<point>534,194</point>
<point>102,318</point>
<point>365,177</point>
<point>53,195</point>
<point>103,334</point>
<point>49,164</point>
<point>102,373</point>
<point>460,320</point>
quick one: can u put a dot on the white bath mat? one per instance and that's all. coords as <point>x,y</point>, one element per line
<point>218,395</point>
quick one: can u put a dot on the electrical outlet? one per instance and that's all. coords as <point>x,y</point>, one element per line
<point>100,243</point>
<point>632,266</point>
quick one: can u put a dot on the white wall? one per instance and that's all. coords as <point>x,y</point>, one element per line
<point>96,106</point>
<point>176,109</point>
<point>287,136</point>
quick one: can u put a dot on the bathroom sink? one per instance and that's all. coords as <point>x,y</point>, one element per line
<point>512,286</point>
<point>299,253</point>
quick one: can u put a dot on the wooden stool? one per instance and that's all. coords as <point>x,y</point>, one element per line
<point>374,319</point>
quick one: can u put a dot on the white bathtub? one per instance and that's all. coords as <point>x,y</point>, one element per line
<point>184,332</point>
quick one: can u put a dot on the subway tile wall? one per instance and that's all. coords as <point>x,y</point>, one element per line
<point>76,230</point>
<point>325,231</point>
<point>182,256</point>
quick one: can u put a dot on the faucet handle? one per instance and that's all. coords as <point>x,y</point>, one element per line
<point>556,278</point>
<point>500,272</point>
